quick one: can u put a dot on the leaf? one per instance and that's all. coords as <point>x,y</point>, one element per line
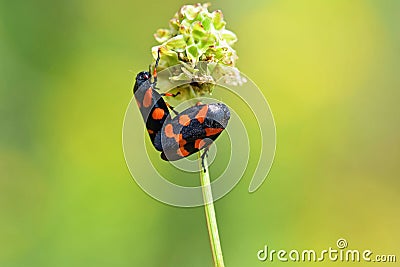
<point>176,43</point>
<point>207,41</point>
<point>206,22</point>
<point>174,25</point>
<point>228,36</point>
<point>192,53</point>
<point>190,11</point>
<point>162,35</point>
<point>218,19</point>
<point>198,30</point>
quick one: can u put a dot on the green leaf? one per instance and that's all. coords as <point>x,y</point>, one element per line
<point>228,36</point>
<point>198,30</point>
<point>176,43</point>
<point>162,35</point>
<point>207,41</point>
<point>174,25</point>
<point>218,19</point>
<point>190,41</point>
<point>206,22</point>
<point>185,28</point>
<point>190,11</point>
<point>192,53</point>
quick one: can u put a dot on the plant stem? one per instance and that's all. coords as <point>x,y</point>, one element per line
<point>210,215</point>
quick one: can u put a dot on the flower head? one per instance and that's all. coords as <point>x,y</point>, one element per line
<point>196,35</point>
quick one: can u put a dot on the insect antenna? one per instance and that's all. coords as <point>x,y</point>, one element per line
<point>155,69</point>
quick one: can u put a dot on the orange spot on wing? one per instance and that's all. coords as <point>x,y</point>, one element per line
<point>179,140</point>
<point>213,131</point>
<point>184,120</point>
<point>169,131</point>
<point>182,152</point>
<point>199,143</point>
<point>150,131</point>
<point>201,115</point>
<point>158,114</point>
<point>148,97</point>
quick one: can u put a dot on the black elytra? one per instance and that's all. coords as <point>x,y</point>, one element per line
<point>188,132</point>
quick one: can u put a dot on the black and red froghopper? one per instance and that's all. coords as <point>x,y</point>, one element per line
<point>189,131</point>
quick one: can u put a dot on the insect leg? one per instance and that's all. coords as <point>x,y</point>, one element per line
<point>172,108</point>
<point>168,105</point>
<point>170,94</point>
<point>203,155</point>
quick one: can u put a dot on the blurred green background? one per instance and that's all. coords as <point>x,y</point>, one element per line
<point>329,69</point>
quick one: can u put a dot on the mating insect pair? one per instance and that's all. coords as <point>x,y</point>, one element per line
<point>188,132</point>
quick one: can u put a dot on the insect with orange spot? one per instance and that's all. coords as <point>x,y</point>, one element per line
<point>187,132</point>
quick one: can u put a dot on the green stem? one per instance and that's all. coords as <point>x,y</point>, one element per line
<point>210,216</point>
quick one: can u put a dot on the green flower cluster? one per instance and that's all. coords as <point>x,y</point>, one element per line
<point>196,35</point>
